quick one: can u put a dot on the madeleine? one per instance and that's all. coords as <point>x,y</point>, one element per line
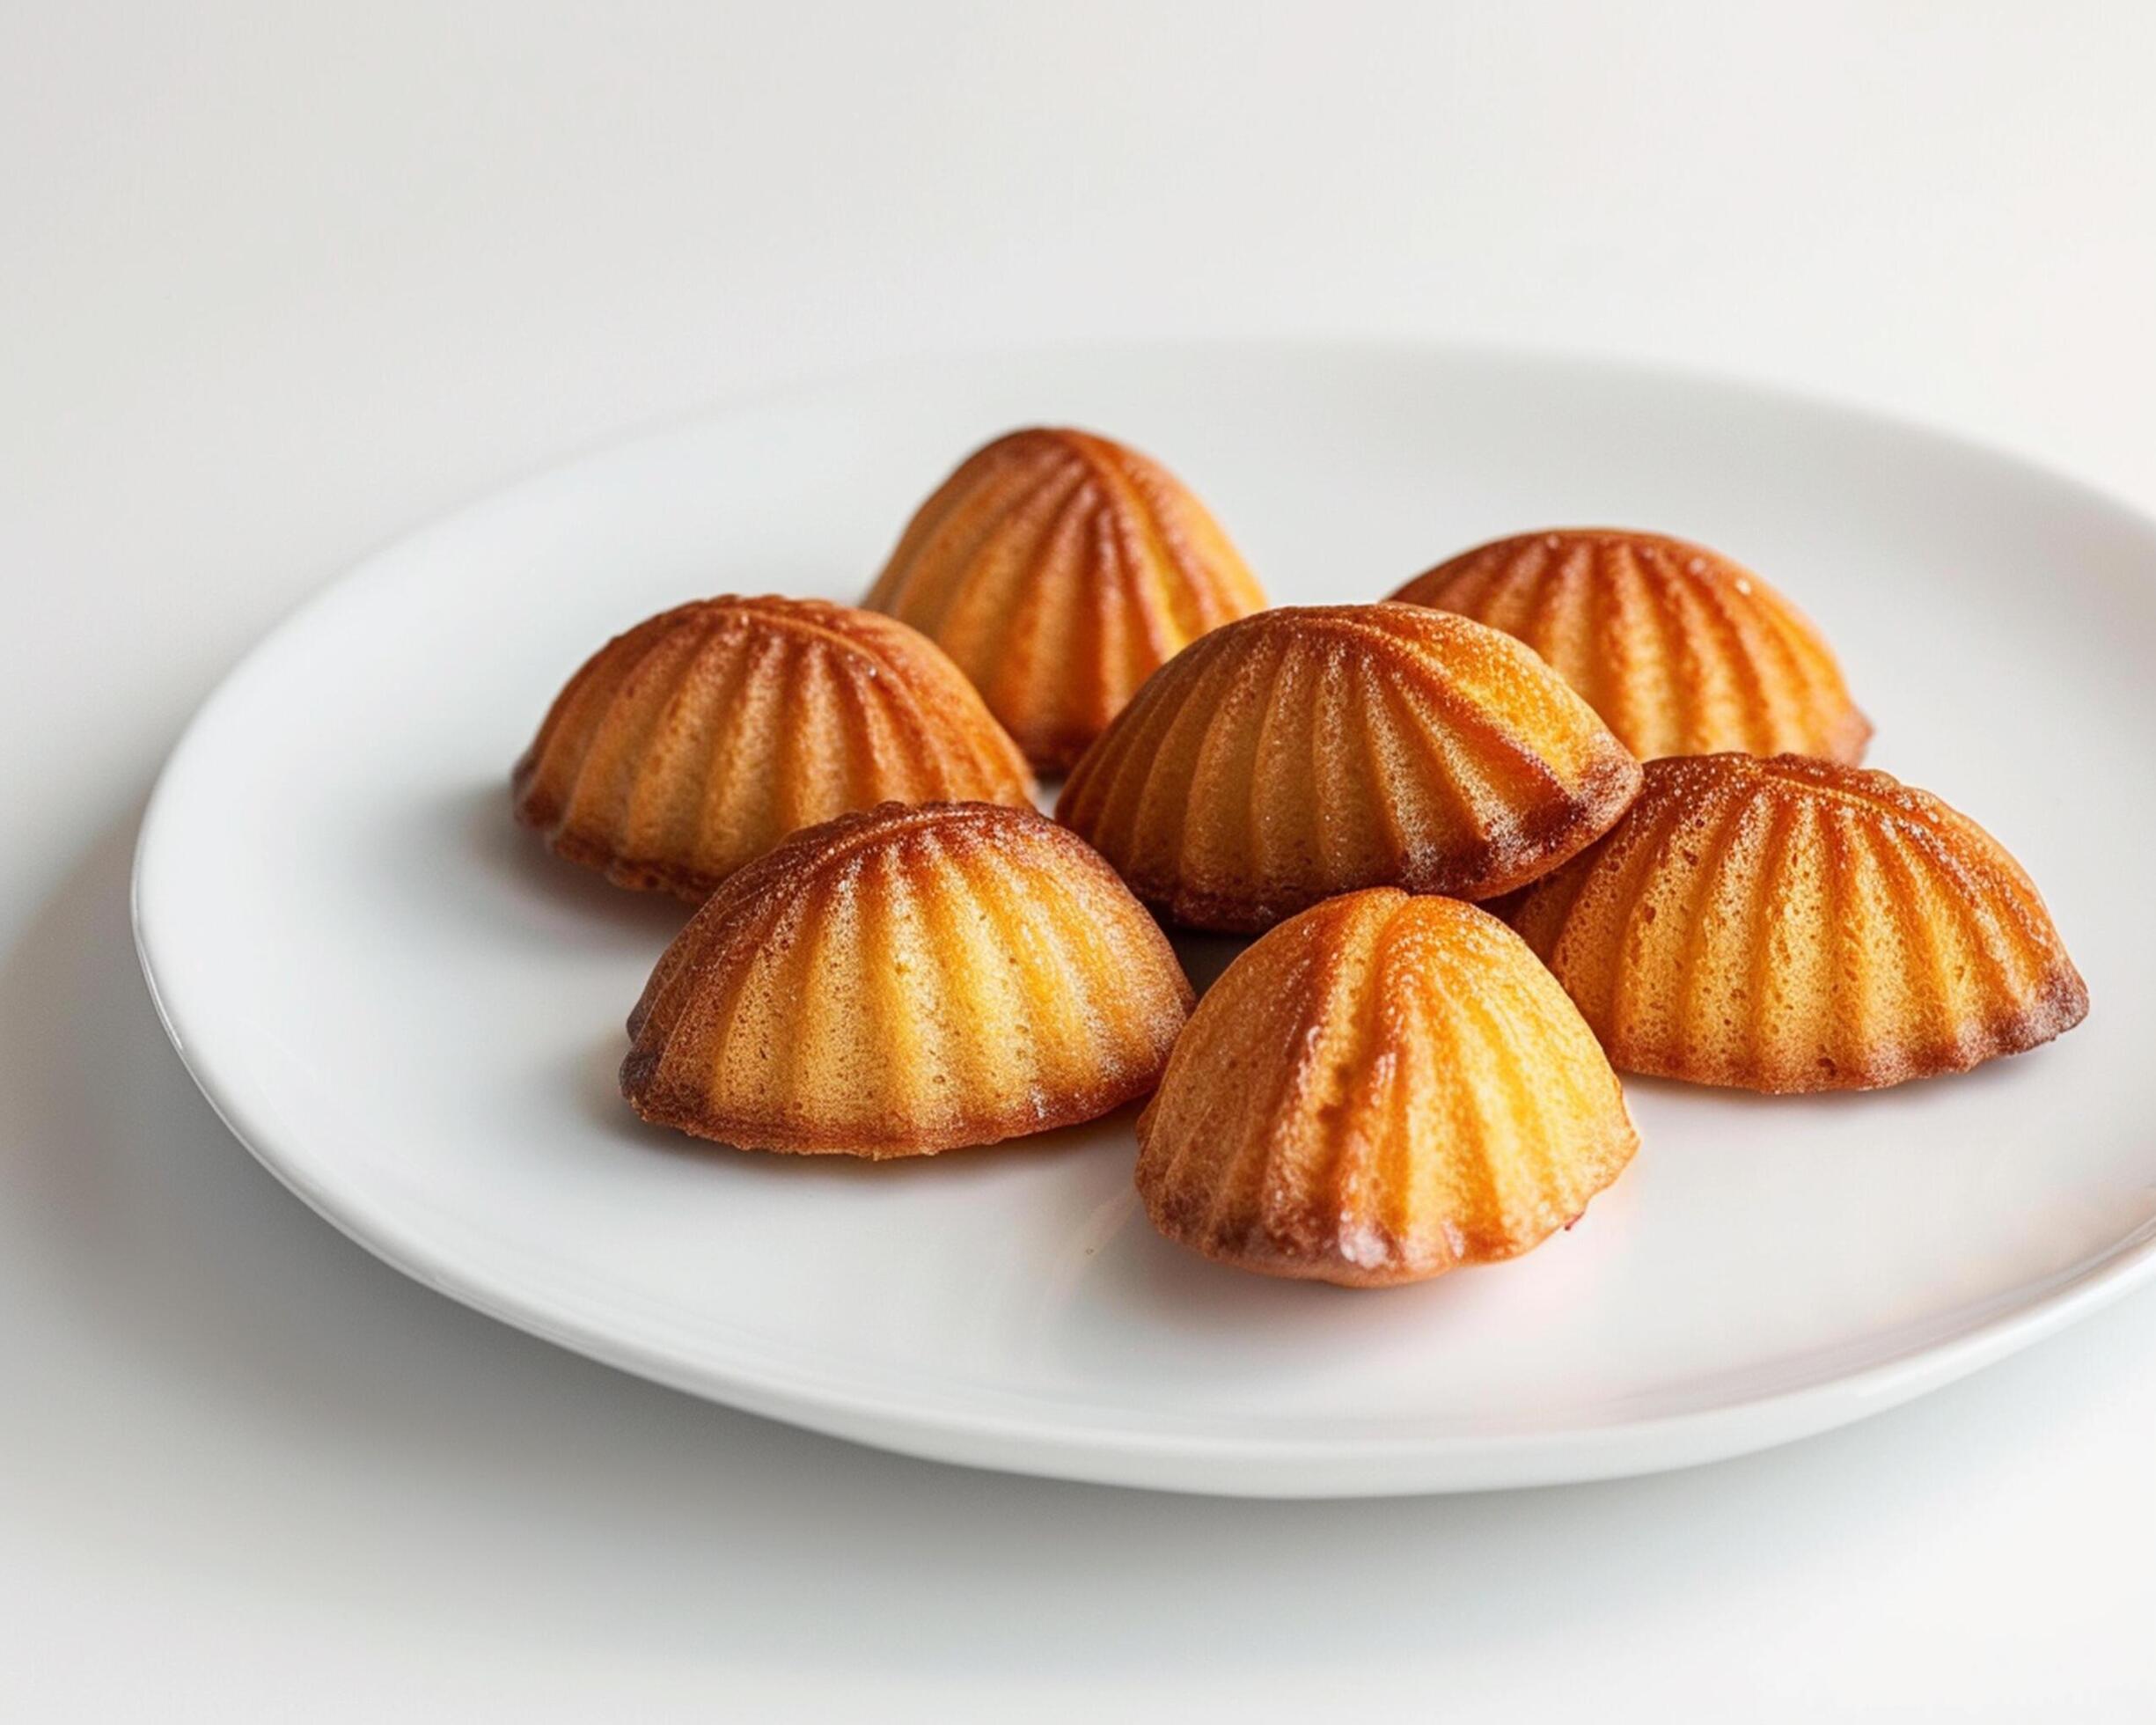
<point>907,981</point>
<point>705,735</point>
<point>1311,750</point>
<point>1681,651</point>
<point>1792,924</point>
<point>1381,1089</point>
<point>1060,569</point>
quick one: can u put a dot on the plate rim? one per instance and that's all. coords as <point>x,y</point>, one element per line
<point>1035,1442</point>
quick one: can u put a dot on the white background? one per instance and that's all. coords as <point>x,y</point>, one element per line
<point>276,282</point>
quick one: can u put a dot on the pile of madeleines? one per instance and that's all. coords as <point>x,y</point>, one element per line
<point>1638,755</point>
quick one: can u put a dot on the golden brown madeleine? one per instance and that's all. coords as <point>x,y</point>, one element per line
<point>1310,750</point>
<point>1681,651</point>
<point>1060,569</point>
<point>906,981</point>
<point>705,735</point>
<point>1381,1089</point>
<point>1789,924</point>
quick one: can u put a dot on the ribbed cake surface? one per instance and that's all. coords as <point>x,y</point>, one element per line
<point>1681,651</point>
<point>906,981</point>
<point>1060,569</point>
<point>1793,924</point>
<point>705,735</point>
<point>1381,1089</point>
<point>1310,750</point>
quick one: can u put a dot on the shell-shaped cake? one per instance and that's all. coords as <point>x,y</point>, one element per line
<point>705,735</point>
<point>1681,651</point>
<point>1793,924</point>
<point>1381,1089</point>
<point>1060,569</point>
<point>1310,750</point>
<point>906,981</point>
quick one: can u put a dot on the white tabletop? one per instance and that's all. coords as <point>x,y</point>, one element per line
<point>279,281</point>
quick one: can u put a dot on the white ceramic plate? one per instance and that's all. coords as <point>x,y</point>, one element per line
<point>413,1016</point>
